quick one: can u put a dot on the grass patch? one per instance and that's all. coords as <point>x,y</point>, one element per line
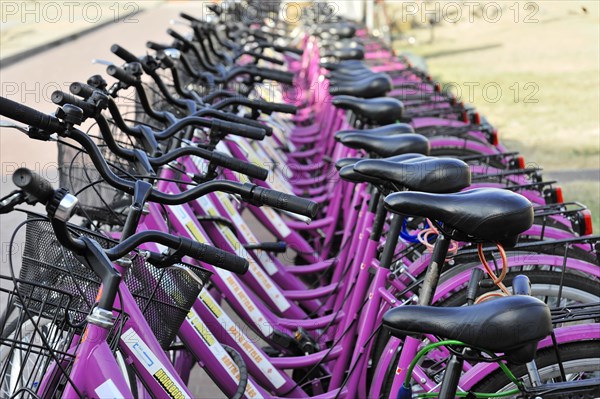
<point>587,193</point>
<point>548,72</point>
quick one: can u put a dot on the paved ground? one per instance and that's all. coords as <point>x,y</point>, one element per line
<point>33,80</point>
<point>28,27</point>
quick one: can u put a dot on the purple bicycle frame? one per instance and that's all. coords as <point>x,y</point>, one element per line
<point>95,371</point>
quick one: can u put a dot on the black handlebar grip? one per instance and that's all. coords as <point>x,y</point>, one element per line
<point>215,8</point>
<point>266,58</point>
<point>81,89</point>
<point>189,17</point>
<point>273,247</point>
<point>62,98</point>
<point>251,132</point>
<point>241,120</point>
<point>29,116</point>
<point>123,54</point>
<point>33,184</point>
<point>278,76</point>
<point>286,202</point>
<point>236,165</point>
<point>214,256</point>
<point>157,46</point>
<point>283,108</point>
<point>177,36</point>
<point>282,49</point>
<point>121,74</point>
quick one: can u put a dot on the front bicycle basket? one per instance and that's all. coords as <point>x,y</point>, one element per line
<point>164,295</point>
<point>38,346</point>
<point>35,346</point>
<point>98,201</point>
<point>45,261</point>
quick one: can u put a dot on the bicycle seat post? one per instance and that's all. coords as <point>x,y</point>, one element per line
<point>455,363</point>
<point>451,377</point>
<point>391,241</point>
<point>430,282</point>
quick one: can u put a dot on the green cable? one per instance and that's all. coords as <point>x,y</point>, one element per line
<point>423,352</point>
<point>477,394</point>
<point>432,346</point>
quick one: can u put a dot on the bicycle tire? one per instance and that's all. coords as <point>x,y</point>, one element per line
<point>575,356</point>
<point>573,282</point>
<point>542,281</point>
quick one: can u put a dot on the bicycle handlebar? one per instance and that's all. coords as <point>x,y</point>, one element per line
<point>183,246</point>
<point>249,192</point>
<point>265,106</point>
<point>286,202</point>
<point>62,98</point>
<point>33,184</point>
<point>215,157</point>
<point>123,54</point>
<point>251,132</point>
<point>30,116</point>
<point>121,75</point>
<point>282,49</point>
<point>189,17</point>
<point>38,187</point>
<point>272,74</point>
<point>82,90</point>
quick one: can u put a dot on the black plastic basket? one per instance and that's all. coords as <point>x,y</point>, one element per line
<point>164,295</point>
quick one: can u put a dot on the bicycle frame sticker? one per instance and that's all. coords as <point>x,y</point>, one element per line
<point>245,147</point>
<point>183,216</point>
<point>265,282</point>
<point>280,126</point>
<point>245,230</point>
<point>277,221</point>
<point>241,296</point>
<point>275,156</point>
<point>108,389</point>
<point>221,146</point>
<point>243,341</point>
<point>217,350</point>
<point>143,353</point>
<point>278,180</point>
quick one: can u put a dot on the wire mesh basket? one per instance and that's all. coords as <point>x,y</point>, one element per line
<point>37,341</point>
<point>33,342</point>
<point>98,201</point>
<point>164,295</point>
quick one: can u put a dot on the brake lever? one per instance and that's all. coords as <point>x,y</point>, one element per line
<point>8,203</point>
<point>189,271</point>
<point>12,125</point>
<point>175,21</point>
<point>102,62</point>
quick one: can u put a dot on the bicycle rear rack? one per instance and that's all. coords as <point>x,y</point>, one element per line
<point>566,390</point>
